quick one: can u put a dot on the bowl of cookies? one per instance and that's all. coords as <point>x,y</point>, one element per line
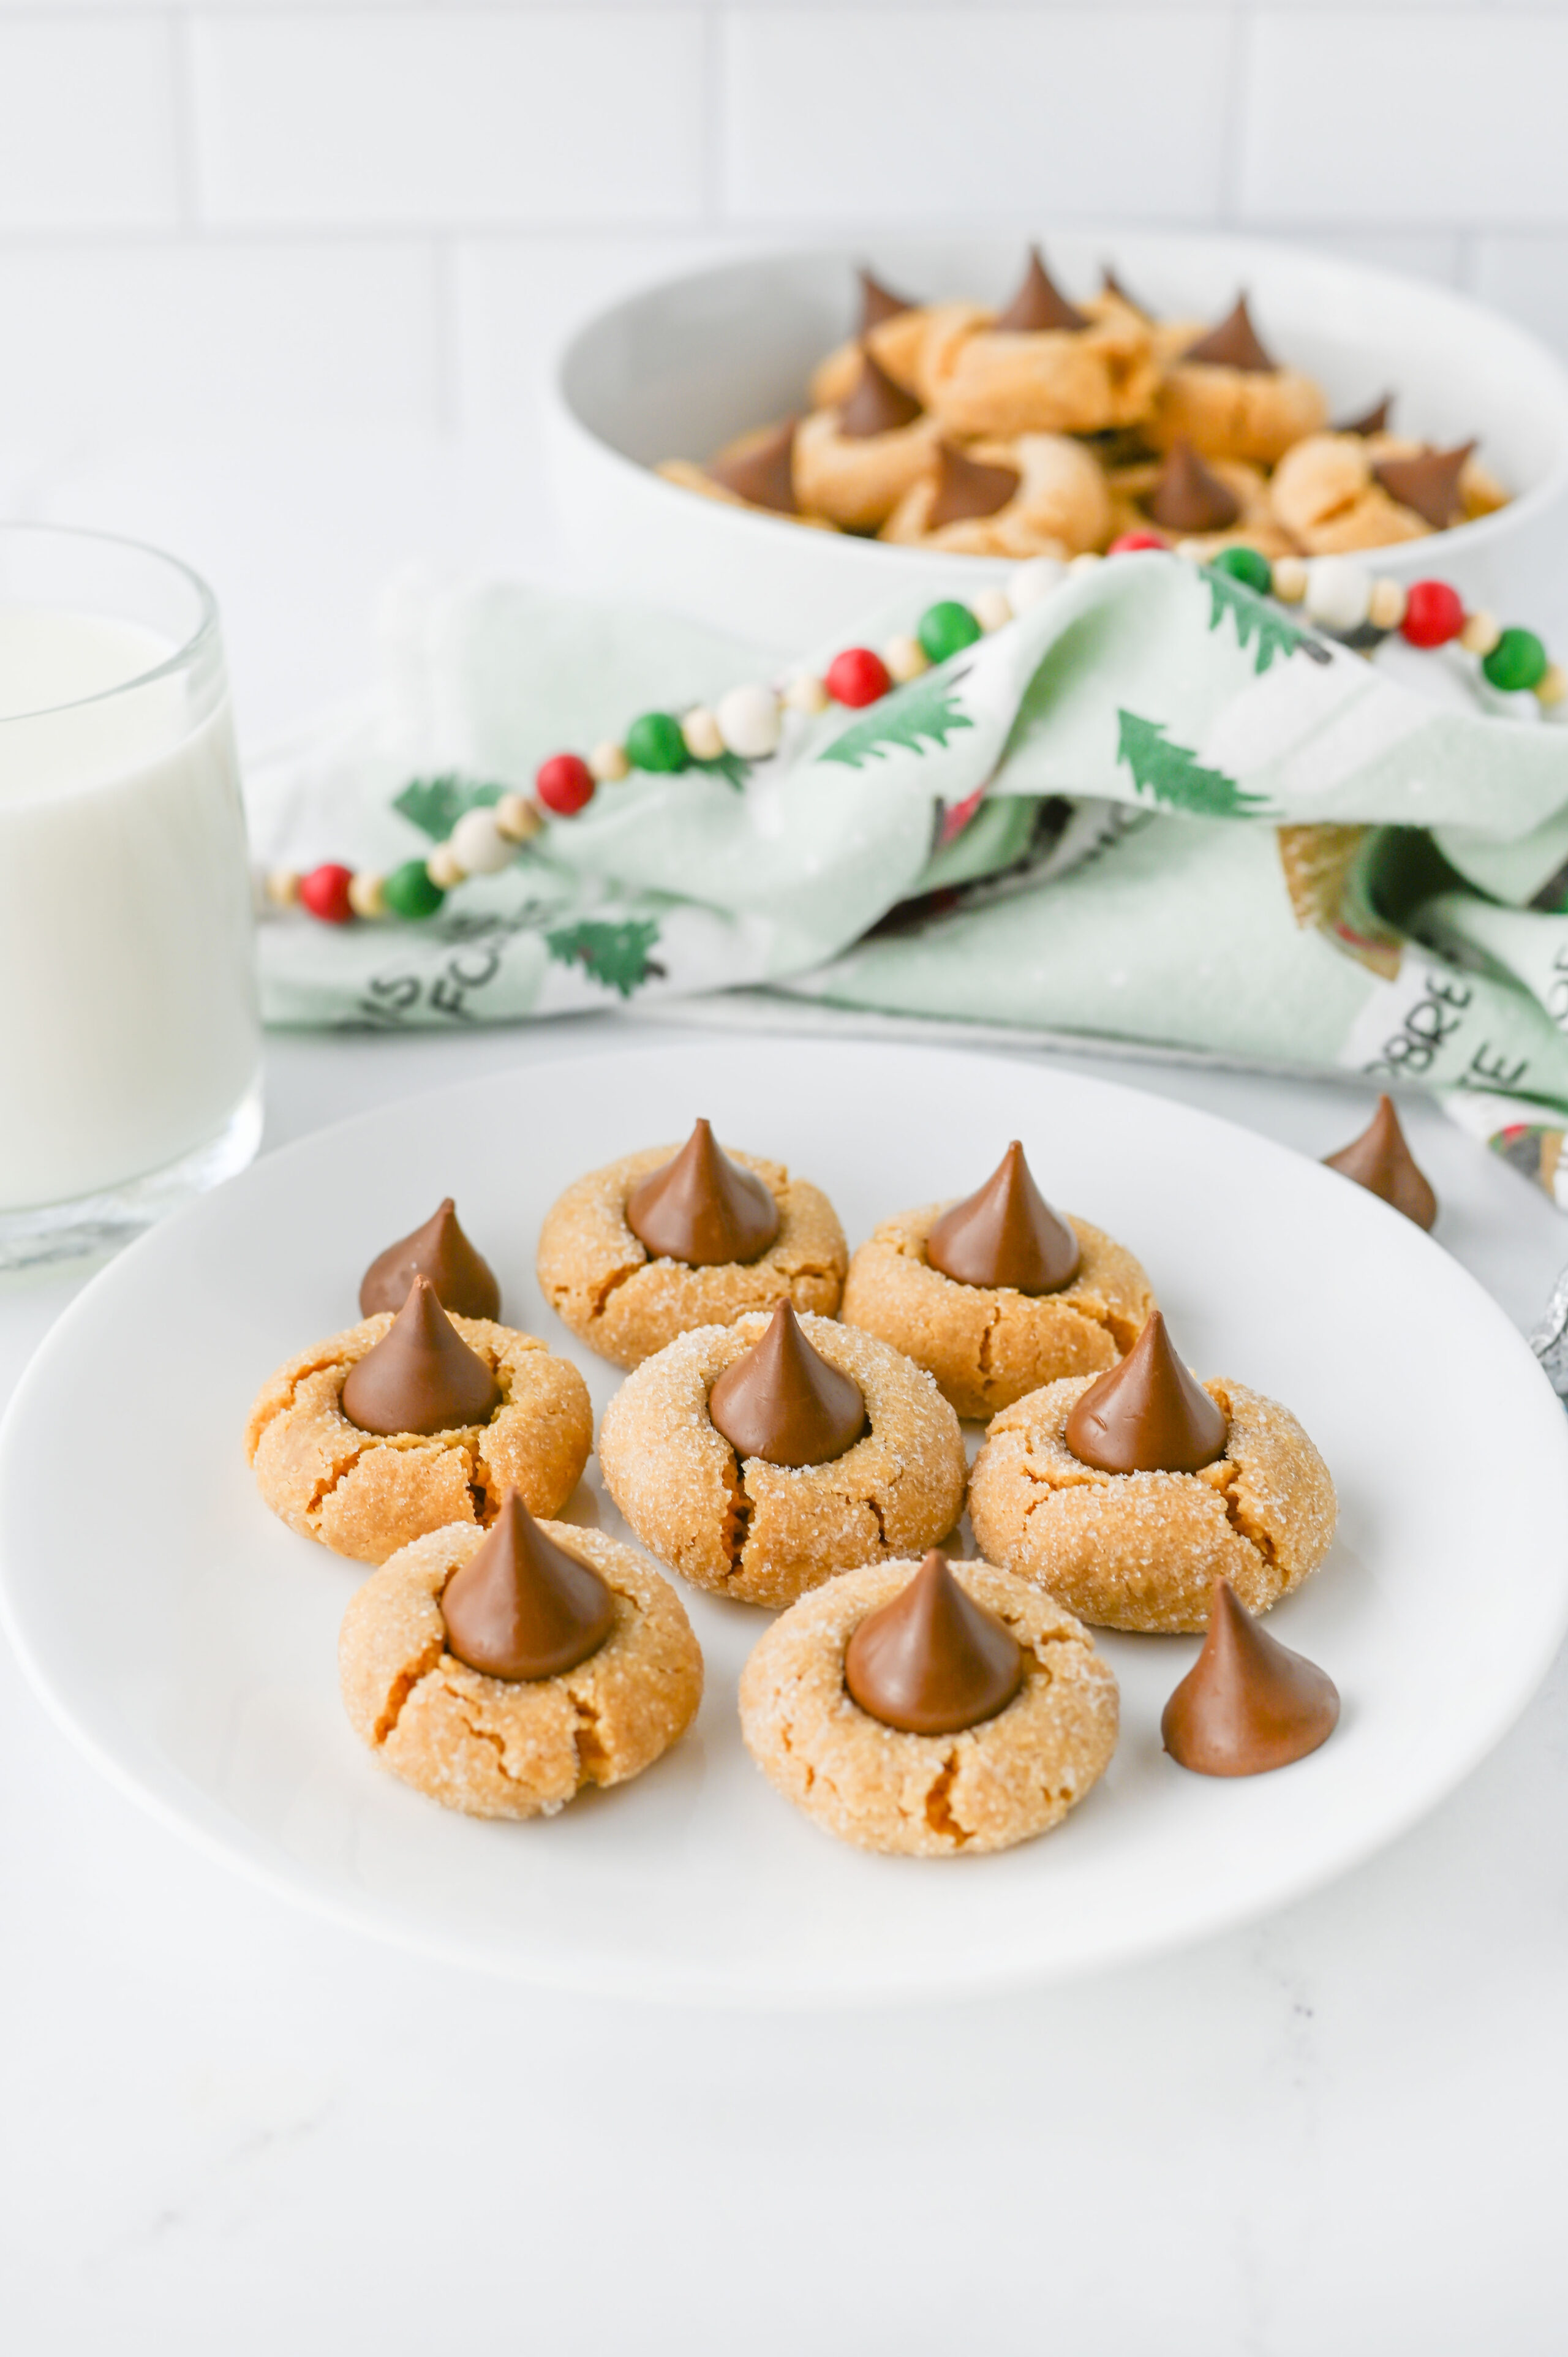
<point>775,444</point>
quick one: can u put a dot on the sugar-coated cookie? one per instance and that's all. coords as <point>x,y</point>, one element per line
<point>496,1746</point>
<point>1039,495</point>
<point>767,1531</point>
<point>985,1786</point>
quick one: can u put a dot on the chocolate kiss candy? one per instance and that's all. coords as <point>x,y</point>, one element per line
<point>1248,1704</point>
<point>764,474</point>
<point>1110,284</point>
<point>1005,1234</point>
<point>783,1402</point>
<point>1371,420</point>
<point>879,303</point>
<point>877,405</point>
<point>1146,1414</point>
<point>703,1209</point>
<point>966,487</point>
<point>1380,1161</point>
<point>1187,496</point>
<point>1429,483</point>
<point>440,1250</point>
<point>1232,344</point>
<point>421,1376</point>
<point>521,1606</point>
<point>1036,305</point>
<point>933,1661</point>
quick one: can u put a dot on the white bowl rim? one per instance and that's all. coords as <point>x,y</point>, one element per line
<point>1247,256</point>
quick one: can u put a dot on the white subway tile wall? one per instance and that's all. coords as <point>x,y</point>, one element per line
<point>259,213</point>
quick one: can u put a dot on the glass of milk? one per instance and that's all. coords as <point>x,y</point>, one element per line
<point>130,1047</point>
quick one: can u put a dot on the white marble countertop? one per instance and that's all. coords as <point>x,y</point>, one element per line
<point>231,2126</point>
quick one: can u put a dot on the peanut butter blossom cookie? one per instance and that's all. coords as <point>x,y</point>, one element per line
<point>997,1294</point>
<point>405,1424</point>
<point>1129,1495</point>
<point>930,1708</point>
<point>760,1458</point>
<point>500,1673</point>
<point>1248,1704</point>
<point>662,1242</point>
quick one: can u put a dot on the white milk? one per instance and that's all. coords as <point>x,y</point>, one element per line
<point>127,1004</point>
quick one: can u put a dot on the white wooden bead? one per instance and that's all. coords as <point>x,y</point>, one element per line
<point>992,608</point>
<point>518,818</point>
<point>1085,562</point>
<point>1481,632</point>
<point>479,844</point>
<point>1289,582</point>
<point>701,731</point>
<point>283,886</point>
<point>806,693</point>
<point>905,658</point>
<point>749,722</point>
<point>1028,584</point>
<point>1338,593</point>
<point>445,868</point>
<point>366,895</point>
<point>609,764</point>
<point>1386,611</point>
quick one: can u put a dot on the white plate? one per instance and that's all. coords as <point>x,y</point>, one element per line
<point>188,1639</point>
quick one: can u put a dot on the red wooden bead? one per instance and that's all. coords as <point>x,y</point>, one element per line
<point>1433,614</point>
<point>857,676</point>
<point>325,892</point>
<point>565,784</point>
<point>1126,542</point>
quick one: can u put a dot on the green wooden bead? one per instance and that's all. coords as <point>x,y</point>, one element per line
<point>655,742</point>
<point>1245,565</point>
<point>1517,660</point>
<point>946,630</point>
<point>409,892</point>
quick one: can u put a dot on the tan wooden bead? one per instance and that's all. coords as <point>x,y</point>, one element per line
<point>1386,611</point>
<point>806,693</point>
<point>445,868</point>
<point>905,658</point>
<point>283,886</point>
<point>518,819</point>
<point>367,897</point>
<point>992,608</point>
<point>1289,581</point>
<point>704,741</point>
<point>609,764</point>
<point>1552,686</point>
<point>1481,632</point>
<point>1085,562</point>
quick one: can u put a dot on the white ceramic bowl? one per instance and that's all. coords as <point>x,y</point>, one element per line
<point>675,371</point>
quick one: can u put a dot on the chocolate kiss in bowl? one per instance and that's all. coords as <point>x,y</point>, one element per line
<point>1146,1414</point>
<point>464,1281</point>
<point>1248,1704</point>
<point>781,1400</point>
<point>764,472</point>
<point>968,488</point>
<point>701,1207</point>
<point>1038,304</point>
<point>933,1660</point>
<point>1429,483</point>
<point>1380,1161</point>
<point>521,1606</point>
<point>1187,496</point>
<point>879,303</point>
<point>877,405</point>
<point>421,1376</point>
<point>1006,1234</point>
<point>1233,344</point>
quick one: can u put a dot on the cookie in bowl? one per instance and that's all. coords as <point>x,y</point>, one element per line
<point>1128,1495</point>
<point>762,1457</point>
<point>892,330</point>
<point>665,1240</point>
<point>929,1709</point>
<point>501,1671</point>
<point>997,1294</point>
<point>855,462</point>
<point>1039,366</point>
<point>405,1423</point>
<point>1039,495</point>
<point>1227,395</point>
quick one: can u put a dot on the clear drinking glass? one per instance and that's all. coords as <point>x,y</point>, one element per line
<point>130,1043</point>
